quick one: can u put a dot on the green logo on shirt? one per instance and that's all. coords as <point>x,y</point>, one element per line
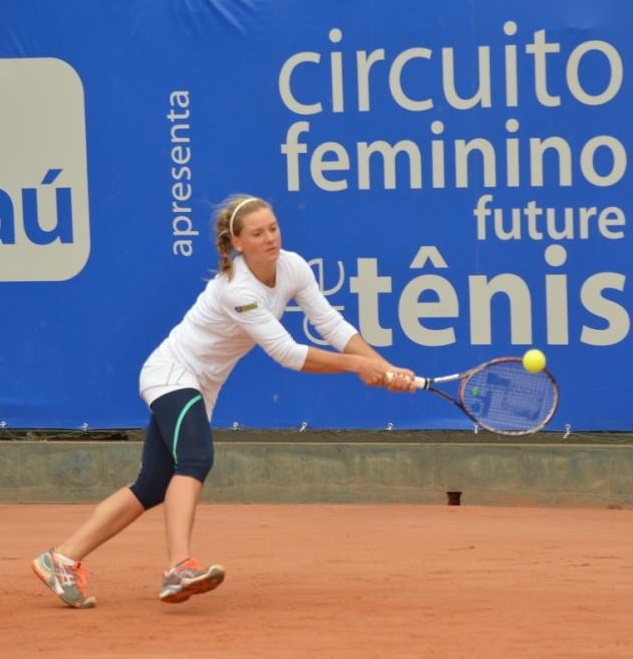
<point>246,307</point>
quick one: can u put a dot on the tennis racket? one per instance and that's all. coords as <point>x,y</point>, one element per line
<point>501,396</point>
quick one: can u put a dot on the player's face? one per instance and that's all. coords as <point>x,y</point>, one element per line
<point>260,238</point>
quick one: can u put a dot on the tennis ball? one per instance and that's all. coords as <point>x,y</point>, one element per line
<point>534,361</point>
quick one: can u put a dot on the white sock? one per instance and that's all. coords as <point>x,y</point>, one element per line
<point>64,560</point>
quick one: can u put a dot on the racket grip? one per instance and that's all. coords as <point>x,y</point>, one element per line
<point>419,382</point>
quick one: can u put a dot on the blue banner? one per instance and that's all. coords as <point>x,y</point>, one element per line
<point>456,179</point>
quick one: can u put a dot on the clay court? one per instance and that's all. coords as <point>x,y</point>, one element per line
<point>336,581</point>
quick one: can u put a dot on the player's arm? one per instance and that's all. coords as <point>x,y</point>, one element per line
<point>399,379</point>
<point>360,358</point>
<point>354,354</point>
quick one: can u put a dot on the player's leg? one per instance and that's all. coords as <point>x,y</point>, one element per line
<point>186,576</point>
<point>184,425</point>
<point>61,569</point>
<point>120,509</point>
<point>110,517</point>
<point>181,500</point>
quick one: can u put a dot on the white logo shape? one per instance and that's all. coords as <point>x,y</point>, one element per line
<point>44,219</point>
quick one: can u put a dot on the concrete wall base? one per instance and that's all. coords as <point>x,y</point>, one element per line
<point>332,471</point>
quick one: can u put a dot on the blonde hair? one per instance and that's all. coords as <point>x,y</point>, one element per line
<point>229,222</point>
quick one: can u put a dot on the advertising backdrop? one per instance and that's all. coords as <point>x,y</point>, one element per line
<point>456,174</point>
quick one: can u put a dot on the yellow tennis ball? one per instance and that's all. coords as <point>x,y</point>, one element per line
<point>534,361</point>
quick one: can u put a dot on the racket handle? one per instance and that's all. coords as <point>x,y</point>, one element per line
<point>419,382</point>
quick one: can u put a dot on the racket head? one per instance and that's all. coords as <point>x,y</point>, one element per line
<point>502,397</point>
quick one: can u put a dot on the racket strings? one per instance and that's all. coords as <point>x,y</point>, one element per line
<point>504,397</point>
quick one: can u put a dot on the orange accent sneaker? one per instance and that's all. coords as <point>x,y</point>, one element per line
<point>189,578</point>
<point>68,582</point>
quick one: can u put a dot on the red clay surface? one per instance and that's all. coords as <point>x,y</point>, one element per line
<point>336,582</point>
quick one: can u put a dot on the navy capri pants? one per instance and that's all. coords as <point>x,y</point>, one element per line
<point>178,441</point>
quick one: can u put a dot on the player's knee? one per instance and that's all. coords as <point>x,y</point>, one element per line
<point>149,493</point>
<point>197,466</point>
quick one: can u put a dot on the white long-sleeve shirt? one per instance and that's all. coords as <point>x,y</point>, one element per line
<point>229,318</point>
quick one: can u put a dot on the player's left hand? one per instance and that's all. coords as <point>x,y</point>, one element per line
<point>399,380</point>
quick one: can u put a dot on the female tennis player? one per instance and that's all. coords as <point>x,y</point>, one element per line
<point>181,380</point>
